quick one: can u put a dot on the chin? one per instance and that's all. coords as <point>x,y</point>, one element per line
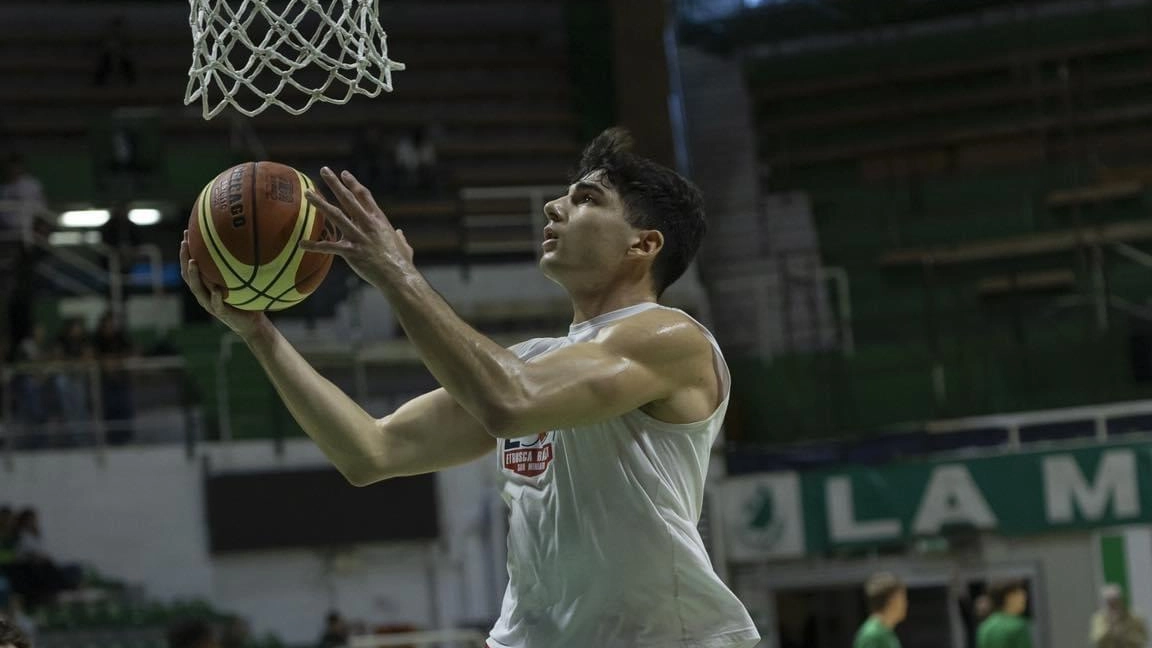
<point>548,267</point>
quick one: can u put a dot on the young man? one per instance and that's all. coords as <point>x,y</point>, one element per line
<point>1006,628</point>
<point>603,435</point>
<point>888,602</point>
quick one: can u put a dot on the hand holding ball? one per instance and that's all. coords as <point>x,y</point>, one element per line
<point>245,232</point>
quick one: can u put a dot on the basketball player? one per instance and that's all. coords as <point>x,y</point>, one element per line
<point>603,435</point>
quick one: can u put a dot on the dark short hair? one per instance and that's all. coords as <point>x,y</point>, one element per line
<point>655,197</point>
<point>880,588</point>
<point>190,633</point>
<point>10,635</point>
<point>999,590</point>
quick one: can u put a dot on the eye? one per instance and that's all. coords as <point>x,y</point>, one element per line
<point>586,198</point>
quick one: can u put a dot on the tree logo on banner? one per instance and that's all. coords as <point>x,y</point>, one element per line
<point>762,527</point>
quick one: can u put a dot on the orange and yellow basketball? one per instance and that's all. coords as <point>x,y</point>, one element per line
<point>245,232</point>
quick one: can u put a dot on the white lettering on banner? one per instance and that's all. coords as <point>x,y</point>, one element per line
<point>952,497</point>
<point>1065,488</point>
<point>842,523</point>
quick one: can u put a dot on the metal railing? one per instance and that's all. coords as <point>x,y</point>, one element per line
<point>110,278</point>
<point>66,404</point>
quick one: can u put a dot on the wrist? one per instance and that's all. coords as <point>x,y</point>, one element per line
<point>396,282</point>
<point>261,332</point>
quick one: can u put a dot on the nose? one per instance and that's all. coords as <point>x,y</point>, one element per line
<point>552,210</point>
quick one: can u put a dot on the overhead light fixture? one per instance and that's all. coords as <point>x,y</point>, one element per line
<point>84,218</point>
<point>144,216</point>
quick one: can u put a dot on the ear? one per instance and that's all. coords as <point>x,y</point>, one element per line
<point>647,243</point>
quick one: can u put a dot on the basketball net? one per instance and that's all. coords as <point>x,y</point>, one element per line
<point>249,53</point>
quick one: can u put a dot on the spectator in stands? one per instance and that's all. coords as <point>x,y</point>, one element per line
<point>7,532</point>
<point>28,544</point>
<point>112,348</point>
<point>192,633</point>
<point>888,602</point>
<point>11,637</point>
<point>122,237</point>
<point>416,163</point>
<point>31,388</point>
<point>1115,625</point>
<point>72,345</point>
<point>115,55</point>
<point>13,610</point>
<point>236,633</point>
<point>21,203</point>
<point>1006,627</point>
<point>335,631</point>
<point>21,196</point>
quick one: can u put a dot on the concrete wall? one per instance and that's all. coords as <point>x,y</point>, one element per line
<point>138,515</point>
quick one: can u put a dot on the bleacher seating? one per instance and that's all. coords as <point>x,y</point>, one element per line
<point>491,77</point>
<point>974,183</point>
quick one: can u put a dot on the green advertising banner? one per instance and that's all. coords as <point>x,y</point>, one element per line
<point>784,515</point>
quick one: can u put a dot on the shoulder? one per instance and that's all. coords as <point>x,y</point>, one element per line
<point>660,335</point>
<point>531,348</point>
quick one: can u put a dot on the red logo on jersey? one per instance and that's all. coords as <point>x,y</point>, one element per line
<point>528,456</point>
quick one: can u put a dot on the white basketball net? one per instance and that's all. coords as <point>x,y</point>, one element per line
<point>249,53</point>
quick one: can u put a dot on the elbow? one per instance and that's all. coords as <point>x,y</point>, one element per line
<point>361,473</point>
<point>360,479</point>
<point>503,419</point>
<point>508,420</point>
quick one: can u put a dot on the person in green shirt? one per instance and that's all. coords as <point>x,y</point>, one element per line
<point>1006,628</point>
<point>888,602</point>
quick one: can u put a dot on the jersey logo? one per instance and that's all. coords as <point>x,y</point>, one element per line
<point>528,456</point>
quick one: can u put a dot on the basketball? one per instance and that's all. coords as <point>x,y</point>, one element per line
<point>244,233</point>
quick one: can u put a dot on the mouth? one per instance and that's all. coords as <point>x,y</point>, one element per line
<point>550,238</point>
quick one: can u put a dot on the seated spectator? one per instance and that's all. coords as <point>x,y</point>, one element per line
<point>7,534</point>
<point>31,388</point>
<point>11,637</point>
<point>32,573</point>
<point>112,348</point>
<point>335,631</point>
<point>13,610</point>
<point>192,633</point>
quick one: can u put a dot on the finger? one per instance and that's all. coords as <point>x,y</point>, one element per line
<point>334,214</point>
<point>196,284</point>
<point>363,194</point>
<point>184,256</point>
<point>338,248</point>
<point>217,301</point>
<point>404,241</point>
<point>343,194</point>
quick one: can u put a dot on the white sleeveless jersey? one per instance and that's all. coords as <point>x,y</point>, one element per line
<point>603,550</point>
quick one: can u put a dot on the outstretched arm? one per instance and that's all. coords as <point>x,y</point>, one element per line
<point>428,433</point>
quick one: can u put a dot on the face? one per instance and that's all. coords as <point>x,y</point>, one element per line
<point>898,605</point>
<point>1017,601</point>
<point>588,242</point>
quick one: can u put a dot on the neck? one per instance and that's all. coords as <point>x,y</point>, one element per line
<point>585,306</point>
<point>887,619</point>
